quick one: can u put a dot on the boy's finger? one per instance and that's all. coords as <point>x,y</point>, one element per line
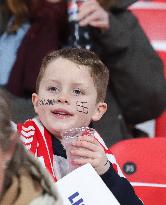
<point>88,145</point>
<point>82,161</point>
<point>89,138</point>
<point>83,153</point>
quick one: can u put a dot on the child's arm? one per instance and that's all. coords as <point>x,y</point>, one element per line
<point>89,150</point>
<point>120,187</point>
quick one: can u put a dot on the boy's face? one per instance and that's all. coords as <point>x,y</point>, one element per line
<point>67,97</point>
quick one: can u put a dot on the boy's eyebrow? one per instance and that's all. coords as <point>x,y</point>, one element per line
<point>79,84</point>
<point>75,84</point>
<point>52,81</point>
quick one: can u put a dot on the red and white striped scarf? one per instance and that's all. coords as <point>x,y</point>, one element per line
<point>37,139</point>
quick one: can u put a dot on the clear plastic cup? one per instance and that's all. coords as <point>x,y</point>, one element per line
<point>69,136</point>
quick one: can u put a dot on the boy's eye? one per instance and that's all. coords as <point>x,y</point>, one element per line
<point>53,89</point>
<point>77,91</point>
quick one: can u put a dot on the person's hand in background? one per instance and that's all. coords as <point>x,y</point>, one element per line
<point>91,13</point>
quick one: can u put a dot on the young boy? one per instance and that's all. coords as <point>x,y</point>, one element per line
<point>70,92</point>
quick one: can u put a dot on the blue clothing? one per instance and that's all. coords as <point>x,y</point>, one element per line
<point>9,44</point>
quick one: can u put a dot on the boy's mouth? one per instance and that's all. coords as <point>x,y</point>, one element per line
<point>61,113</point>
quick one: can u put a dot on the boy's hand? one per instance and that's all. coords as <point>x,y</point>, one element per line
<point>88,150</point>
<point>91,13</point>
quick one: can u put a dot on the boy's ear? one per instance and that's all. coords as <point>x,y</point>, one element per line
<point>101,108</point>
<point>35,100</point>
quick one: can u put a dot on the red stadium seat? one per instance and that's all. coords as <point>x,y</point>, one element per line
<point>143,162</point>
<point>157,1</point>
<point>160,128</point>
<point>152,17</point>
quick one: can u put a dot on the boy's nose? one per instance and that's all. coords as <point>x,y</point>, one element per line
<point>63,99</point>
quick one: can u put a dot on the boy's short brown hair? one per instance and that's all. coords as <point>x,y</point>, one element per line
<point>99,71</point>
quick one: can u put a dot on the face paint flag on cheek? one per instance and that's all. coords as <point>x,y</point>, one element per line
<point>47,101</point>
<point>82,107</point>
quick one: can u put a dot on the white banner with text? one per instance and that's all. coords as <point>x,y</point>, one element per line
<point>84,186</point>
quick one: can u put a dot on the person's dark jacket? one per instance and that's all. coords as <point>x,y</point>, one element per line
<point>137,89</point>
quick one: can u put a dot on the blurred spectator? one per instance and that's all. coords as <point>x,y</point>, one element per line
<point>13,27</point>
<point>44,35</point>
<point>22,179</point>
<point>120,42</point>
